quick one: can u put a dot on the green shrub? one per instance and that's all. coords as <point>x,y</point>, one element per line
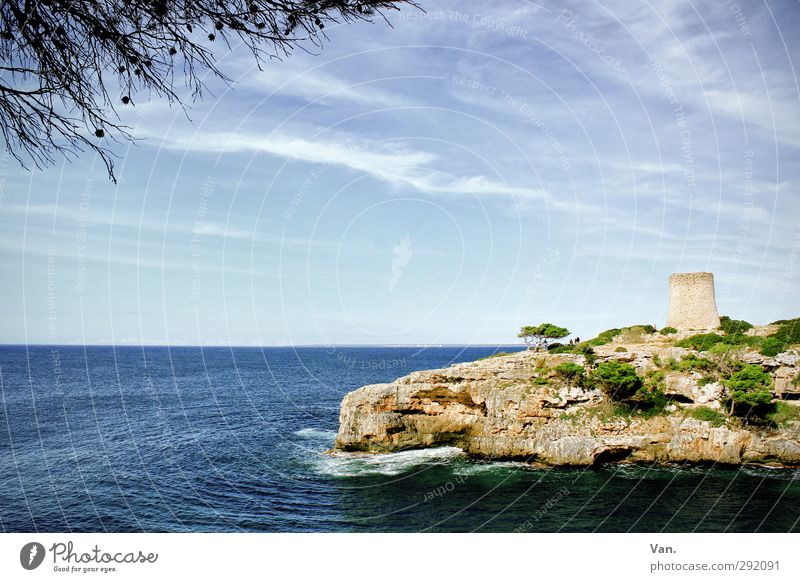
<point>784,414</point>
<point>587,352</point>
<point>650,403</point>
<point>633,334</point>
<point>788,332</point>
<point>618,381</point>
<point>707,414</point>
<point>604,337</point>
<point>693,362</point>
<point>650,400</point>
<point>668,330</point>
<point>772,346</point>
<point>654,380</point>
<point>670,365</point>
<point>750,392</point>
<point>705,380</point>
<point>701,342</point>
<point>733,326</point>
<point>706,341</point>
<point>727,358</point>
<point>571,373</point>
<point>620,349</point>
<point>558,348</point>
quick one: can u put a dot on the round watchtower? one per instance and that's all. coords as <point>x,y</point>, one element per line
<point>692,304</point>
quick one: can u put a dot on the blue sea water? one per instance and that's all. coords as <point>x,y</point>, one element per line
<point>187,439</point>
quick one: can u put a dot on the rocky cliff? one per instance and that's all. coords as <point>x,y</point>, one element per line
<point>514,407</point>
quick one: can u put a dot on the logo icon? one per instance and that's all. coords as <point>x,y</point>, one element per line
<point>401,255</point>
<point>31,555</point>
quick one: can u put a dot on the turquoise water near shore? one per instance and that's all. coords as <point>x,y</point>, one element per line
<point>219,439</point>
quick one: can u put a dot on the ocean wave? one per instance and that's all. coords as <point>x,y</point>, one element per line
<point>316,433</point>
<point>490,467</point>
<point>359,465</point>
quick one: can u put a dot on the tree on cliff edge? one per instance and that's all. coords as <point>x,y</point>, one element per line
<point>540,335</point>
<point>66,65</point>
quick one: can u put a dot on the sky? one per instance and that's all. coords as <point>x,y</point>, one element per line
<point>446,179</point>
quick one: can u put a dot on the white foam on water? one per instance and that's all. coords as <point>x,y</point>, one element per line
<point>316,433</point>
<point>357,465</point>
<point>478,468</point>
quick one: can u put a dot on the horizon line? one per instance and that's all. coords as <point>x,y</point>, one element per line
<point>327,346</point>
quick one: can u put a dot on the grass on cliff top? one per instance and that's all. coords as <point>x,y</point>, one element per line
<point>786,335</point>
<point>495,355</point>
<point>784,415</point>
<point>632,334</point>
<point>707,414</point>
<point>608,411</point>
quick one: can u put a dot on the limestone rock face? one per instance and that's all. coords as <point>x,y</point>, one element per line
<point>686,388</point>
<point>508,408</point>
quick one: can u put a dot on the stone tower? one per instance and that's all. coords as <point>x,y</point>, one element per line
<point>691,301</point>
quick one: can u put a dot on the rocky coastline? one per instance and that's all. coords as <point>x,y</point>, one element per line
<point>515,407</point>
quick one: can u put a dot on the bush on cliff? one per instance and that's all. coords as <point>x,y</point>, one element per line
<point>750,393</point>
<point>787,334</point>
<point>701,342</point>
<point>631,334</point>
<point>572,374</point>
<point>616,380</point>
<point>691,362</point>
<point>772,346</point>
<point>707,414</point>
<point>668,330</point>
<point>784,415</point>
<point>727,359</point>
<point>733,326</point>
<point>588,353</point>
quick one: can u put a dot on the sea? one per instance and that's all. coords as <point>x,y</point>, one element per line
<point>190,439</point>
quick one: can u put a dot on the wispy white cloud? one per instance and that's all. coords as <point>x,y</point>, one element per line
<point>321,87</point>
<point>386,161</point>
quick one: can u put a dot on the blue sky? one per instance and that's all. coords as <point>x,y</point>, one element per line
<point>474,168</point>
